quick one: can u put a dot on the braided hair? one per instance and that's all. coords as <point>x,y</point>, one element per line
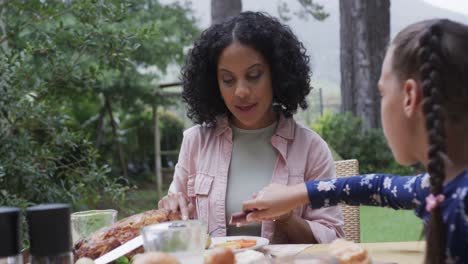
<point>430,57</point>
<point>433,52</point>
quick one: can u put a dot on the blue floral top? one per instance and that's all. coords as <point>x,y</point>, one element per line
<point>401,192</point>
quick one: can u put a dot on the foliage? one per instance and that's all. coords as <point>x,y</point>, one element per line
<point>60,61</point>
<point>100,60</point>
<point>308,8</point>
<point>41,160</point>
<point>139,140</point>
<point>172,128</point>
<point>346,135</point>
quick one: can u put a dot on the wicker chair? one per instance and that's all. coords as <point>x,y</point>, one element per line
<point>351,216</point>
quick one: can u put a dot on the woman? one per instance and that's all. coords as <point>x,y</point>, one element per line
<point>243,81</point>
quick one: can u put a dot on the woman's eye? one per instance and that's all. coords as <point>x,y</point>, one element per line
<point>254,76</point>
<point>228,80</point>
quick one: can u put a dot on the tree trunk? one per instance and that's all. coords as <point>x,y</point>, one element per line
<point>116,137</point>
<point>100,127</point>
<point>157,151</point>
<point>223,9</point>
<point>364,36</point>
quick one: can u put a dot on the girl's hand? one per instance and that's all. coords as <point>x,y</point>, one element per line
<point>275,201</point>
<point>175,202</point>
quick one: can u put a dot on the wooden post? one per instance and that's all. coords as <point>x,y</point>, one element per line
<point>320,101</point>
<point>157,133</point>
<point>157,151</point>
<point>108,106</point>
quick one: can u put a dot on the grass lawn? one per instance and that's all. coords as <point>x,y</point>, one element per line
<point>384,224</point>
<point>139,200</point>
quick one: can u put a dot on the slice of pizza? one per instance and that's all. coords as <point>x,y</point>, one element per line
<point>239,217</point>
<point>232,244</point>
<point>246,243</point>
<point>238,243</point>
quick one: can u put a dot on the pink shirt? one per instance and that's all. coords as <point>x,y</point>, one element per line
<point>202,172</point>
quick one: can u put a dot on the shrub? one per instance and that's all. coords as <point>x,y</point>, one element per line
<point>139,142</point>
<point>345,134</point>
<point>172,128</point>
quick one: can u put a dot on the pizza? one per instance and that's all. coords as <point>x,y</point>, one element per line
<point>239,217</point>
<point>238,243</point>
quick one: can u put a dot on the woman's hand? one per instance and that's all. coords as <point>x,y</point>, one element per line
<point>275,201</point>
<point>176,202</point>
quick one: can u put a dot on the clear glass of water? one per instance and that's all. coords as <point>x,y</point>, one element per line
<point>185,240</point>
<point>85,223</point>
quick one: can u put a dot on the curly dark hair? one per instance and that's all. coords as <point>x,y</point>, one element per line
<point>282,50</point>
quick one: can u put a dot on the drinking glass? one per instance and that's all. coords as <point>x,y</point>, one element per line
<point>85,223</point>
<point>185,240</point>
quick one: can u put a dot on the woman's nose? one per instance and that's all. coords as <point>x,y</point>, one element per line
<point>242,90</point>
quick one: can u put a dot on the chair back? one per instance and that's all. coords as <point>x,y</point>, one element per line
<point>346,168</point>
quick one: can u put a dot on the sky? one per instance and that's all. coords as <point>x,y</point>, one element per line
<point>460,6</point>
<point>202,13</point>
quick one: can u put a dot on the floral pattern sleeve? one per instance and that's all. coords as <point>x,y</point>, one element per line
<point>398,192</point>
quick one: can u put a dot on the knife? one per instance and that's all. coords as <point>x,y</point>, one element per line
<point>120,250</point>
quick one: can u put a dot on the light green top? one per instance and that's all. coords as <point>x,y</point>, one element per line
<point>251,168</point>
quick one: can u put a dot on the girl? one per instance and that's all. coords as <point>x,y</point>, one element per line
<point>424,88</point>
<point>243,81</point>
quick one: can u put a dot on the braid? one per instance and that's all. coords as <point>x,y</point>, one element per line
<point>430,57</point>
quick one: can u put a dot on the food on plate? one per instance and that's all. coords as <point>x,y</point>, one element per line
<point>349,252</point>
<point>155,258</point>
<point>122,260</point>
<point>208,242</point>
<point>237,243</point>
<point>119,233</point>
<point>221,256</point>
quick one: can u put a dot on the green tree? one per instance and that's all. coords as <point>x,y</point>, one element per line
<point>224,9</point>
<point>307,8</point>
<point>64,67</point>
<point>112,43</point>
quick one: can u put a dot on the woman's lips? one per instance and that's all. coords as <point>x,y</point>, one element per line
<point>245,108</point>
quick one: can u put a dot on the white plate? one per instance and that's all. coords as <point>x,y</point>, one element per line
<point>261,242</point>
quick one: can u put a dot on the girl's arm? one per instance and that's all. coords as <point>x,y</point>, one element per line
<point>318,225</point>
<point>398,192</point>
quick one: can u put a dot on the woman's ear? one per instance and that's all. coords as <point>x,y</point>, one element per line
<point>412,97</point>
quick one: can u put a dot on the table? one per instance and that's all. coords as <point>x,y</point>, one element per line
<point>393,252</point>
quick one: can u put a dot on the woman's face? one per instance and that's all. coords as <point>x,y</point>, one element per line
<point>244,80</point>
<point>398,113</point>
